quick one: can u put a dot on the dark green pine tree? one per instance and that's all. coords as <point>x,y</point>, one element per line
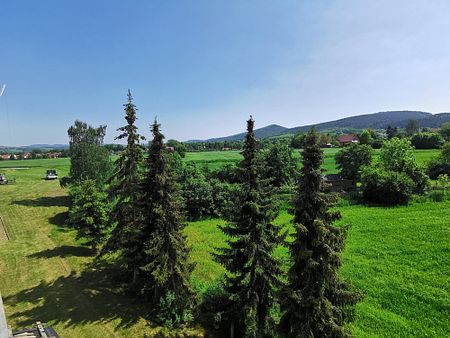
<point>165,247</point>
<point>317,301</point>
<point>89,212</point>
<point>253,274</point>
<point>126,215</point>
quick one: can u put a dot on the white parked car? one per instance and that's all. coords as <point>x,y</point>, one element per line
<point>51,175</point>
<point>3,179</point>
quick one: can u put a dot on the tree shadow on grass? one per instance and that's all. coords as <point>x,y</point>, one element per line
<point>55,201</point>
<point>89,297</point>
<point>60,219</point>
<point>64,251</point>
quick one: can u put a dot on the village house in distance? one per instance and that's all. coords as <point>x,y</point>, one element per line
<point>347,139</point>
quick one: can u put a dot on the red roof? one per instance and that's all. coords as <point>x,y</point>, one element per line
<point>347,138</point>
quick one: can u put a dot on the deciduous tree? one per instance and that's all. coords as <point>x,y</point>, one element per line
<point>278,164</point>
<point>412,127</point>
<point>366,137</point>
<point>88,159</point>
<point>445,130</point>
<point>351,159</point>
<point>391,132</point>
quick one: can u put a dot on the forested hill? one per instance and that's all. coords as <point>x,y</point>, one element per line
<point>268,131</point>
<point>379,120</point>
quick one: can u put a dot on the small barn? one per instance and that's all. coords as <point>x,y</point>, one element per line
<point>54,155</point>
<point>347,139</point>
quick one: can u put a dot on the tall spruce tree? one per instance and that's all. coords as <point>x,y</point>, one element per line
<point>317,300</point>
<point>253,273</point>
<point>165,247</point>
<point>126,215</point>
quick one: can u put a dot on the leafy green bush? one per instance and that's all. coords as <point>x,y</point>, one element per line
<point>427,140</point>
<point>225,197</point>
<point>89,212</point>
<point>377,144</point>
<point>215,308</point>
<point>386,186</point>
<point>420,179</point>
<point>227,173</point>
<point>197,195</point>
<point>437,168</point>
<point>366,137</point>
<point>445,131</point>
<point>398,155</point>
<point>204,195</point>
<point>351,159</point>
<point>441,164</point>
<point>395,177</point>
<point>298,140</point>
<point>278,165</point>
<point>437,195</point>
<point>172,314</point>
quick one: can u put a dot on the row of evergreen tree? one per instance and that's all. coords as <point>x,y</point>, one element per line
<point>314,301</point>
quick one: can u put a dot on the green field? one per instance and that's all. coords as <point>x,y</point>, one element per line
<point>216,159</point>
<point>399,258</point>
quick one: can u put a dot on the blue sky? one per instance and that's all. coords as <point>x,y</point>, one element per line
<point>203,66</point>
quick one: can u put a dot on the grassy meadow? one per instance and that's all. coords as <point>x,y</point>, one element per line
<point>398,257</point>
<point>217,159</point>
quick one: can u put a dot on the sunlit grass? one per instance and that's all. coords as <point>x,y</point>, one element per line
<point>398,257</point>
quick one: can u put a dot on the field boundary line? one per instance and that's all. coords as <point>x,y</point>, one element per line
<point>3,228</point>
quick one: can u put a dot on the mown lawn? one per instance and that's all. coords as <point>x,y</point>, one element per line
<point>46,275</point>
<point>398,257</point>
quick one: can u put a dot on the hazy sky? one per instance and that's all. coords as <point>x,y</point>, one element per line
<point>203,66</point>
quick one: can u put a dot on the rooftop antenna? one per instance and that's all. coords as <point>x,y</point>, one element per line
<point>2,90</point>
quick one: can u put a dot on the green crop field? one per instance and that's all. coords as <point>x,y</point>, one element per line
<point>398,257</point>
<point>216,159</point>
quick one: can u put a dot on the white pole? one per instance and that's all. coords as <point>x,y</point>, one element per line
<point>3,89</point>
<point>4,331</point>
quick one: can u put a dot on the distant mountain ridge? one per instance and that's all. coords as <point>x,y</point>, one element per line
<point>268,131</point>
<point>37,146</point>
<point>379,120</point>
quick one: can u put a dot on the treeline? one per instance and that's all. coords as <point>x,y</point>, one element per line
<point>132,212</point>
<point>34,154</point>
<point>214,146</point>
<point>395,177</point>
<point>421,138</point>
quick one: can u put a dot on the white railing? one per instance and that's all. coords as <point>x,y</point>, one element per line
<point>4,330</point>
